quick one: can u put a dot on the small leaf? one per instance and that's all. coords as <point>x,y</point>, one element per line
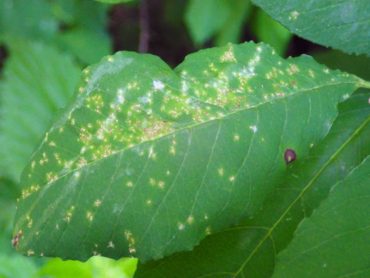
<point>38,80</point>
<point>251,247</point>
<point>137,164</point>
<point>334,241</point>
<point>270,31</point>
<point>343,25</point>
<point>204,18</point>
<point>233,27</point>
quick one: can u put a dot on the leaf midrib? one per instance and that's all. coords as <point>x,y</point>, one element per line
<point>191,126</point>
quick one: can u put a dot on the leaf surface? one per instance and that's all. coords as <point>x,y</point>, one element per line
<point>250,249</point>
<point>339,24</point>
<point>138,163</point>
<point>334,240</point>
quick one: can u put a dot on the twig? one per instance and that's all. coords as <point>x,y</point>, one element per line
<point>144,27</point>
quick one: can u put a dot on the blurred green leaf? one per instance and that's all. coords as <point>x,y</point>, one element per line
<point>221,18</point>
<point>231,29</point>
<point>342,24</point>
<point>16,266</point>
<point>95,267</point>
<point>251,247</point>
<point>84,30</point>
<point>37,81</point>
<point>7,208</point>
<point>27,19</point>
<point>79,41</point>
<point>74,26</point>
<point>270,31</point>
<point>113,173</point>
<point>204,18</point>
<point>335,240</point>
<point>9,190</point>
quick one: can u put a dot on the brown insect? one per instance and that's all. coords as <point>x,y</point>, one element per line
<point>16,238</point>
<point>290,156</point>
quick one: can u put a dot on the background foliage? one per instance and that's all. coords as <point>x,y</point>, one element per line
<point>42,55</point>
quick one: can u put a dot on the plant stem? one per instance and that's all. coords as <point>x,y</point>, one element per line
<point>144,27</point>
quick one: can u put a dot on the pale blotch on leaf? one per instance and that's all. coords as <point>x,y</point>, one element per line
<point>180,226</point>
<point>253,128</point>
<point>293,15</point>
<point>220,171</point>
<point>110,244</point>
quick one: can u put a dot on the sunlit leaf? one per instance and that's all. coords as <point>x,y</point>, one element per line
<point>147,161</point>
<point>95,267</point>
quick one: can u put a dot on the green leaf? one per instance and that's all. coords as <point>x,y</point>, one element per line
<point>137,164</point>
<point>38,80</point>
<point>251,247</point>
<point>16,266</point>
<point>271,32</point>
<point>334,241</point>
<point>79,41</point>
<point>343,25</point>
<point>204,18</point>
<point>9,190</point>
<point>232,28</point>
<point>220,18</point>
<point>84,26</point>
<point>96,267</point>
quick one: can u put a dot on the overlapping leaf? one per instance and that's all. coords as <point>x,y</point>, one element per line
<point>334,241</point>
<point>339,24</point>
<point>147,161</point>
<point>250,249</point>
